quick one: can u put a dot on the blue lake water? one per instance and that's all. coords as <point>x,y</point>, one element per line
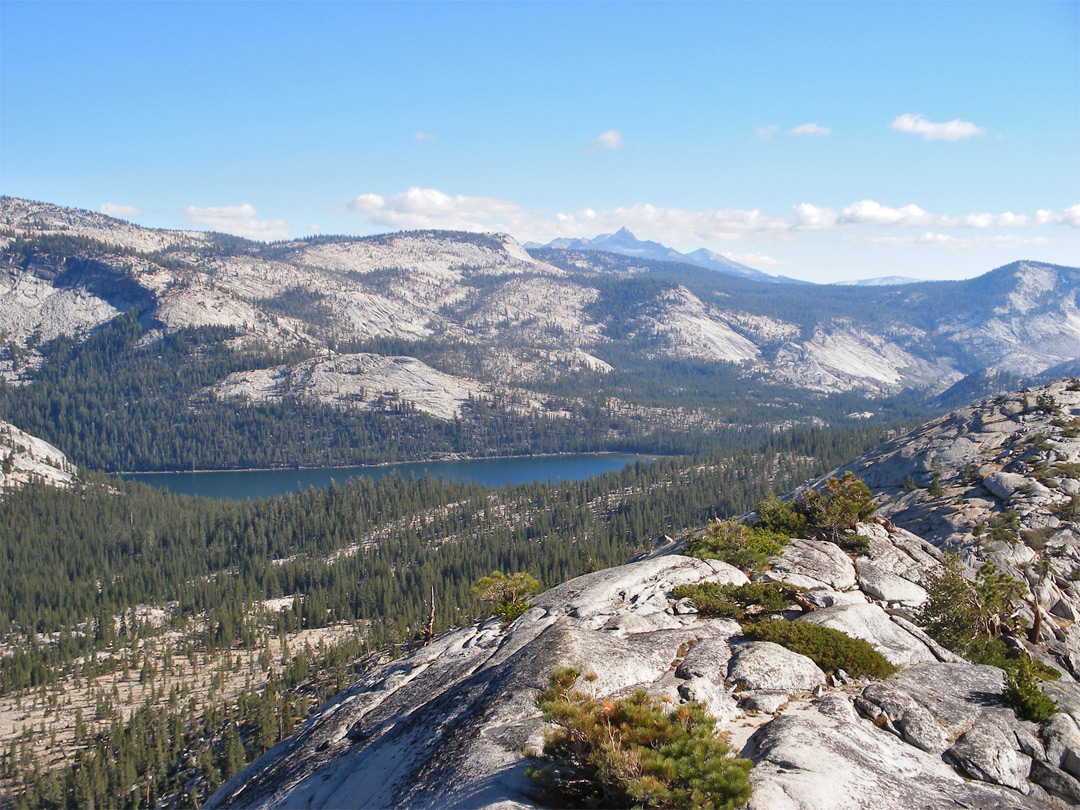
<point>492,472</point>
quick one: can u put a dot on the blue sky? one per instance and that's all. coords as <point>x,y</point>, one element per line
<point>824,141</point>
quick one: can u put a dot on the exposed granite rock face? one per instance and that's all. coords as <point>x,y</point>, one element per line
<point>762,665</point>
<point>986,753</point>
<point>824,758</point>
<point>25,458</point>
<point>445,725</point>
<point>817,560</point>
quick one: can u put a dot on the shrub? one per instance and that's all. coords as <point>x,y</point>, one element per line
<point>507,595</point>
<point>735,601</point>
<point>746,547</point>
<point>1022,693</point>
<point>776,516</point>
<point>844,502</point>
<point>961,614</point>
<point>829,649</point>
<point>630,752</point>
<point>1004,528</point>
<point>965,617</point>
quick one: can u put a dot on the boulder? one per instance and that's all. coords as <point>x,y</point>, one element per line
<point>957,695</point>
<point>1061,737</point>
<point>1004,485</point>
<point>891,707</point>
<point>764,666</point>
<point>1055,781</point>
<point>878,583</point>
<point>825,562</point>
<point>984,752</point>
<point>718,702</point>
<point>829,760</point>
<point>872,624</point>
<point>709,657</point>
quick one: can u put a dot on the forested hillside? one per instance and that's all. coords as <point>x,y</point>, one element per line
<point>110,590</point>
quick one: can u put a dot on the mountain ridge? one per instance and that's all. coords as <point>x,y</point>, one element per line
<point>625,243</point>
<point>658,346</point>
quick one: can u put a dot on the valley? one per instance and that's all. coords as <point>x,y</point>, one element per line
<point>353,350</point>
<point>155,644</point>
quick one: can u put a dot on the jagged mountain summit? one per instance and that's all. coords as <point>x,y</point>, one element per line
<point>446,725</point>
<point>558,313</point>
<point>625,243</point>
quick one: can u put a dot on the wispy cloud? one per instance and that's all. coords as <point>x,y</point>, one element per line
<point>765,133</point>
<point>424,136</point>
<point>811,129</point>
<point>955,130</point>
<point>431,208</point>
<point>944,240</point>
<point>239,220</point>
<point>612,139</point>
<point>758,260</point>
<point>120,211</point>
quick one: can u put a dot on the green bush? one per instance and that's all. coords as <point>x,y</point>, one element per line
<point>829,649</point>
<point>507,595</point>
<point>735,601</point>
<point>1022,693</point>
<point>964,615</point>
<point>746,547</point>
<point>844,502</point>
<point>776,516</point>
<point>630,752</point>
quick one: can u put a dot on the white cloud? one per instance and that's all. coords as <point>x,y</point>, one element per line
<point>868,212</point>
<point>431,208</point>
<point>120,211</point>
<point>611,139</point>
<point>670,224</point>
<point>809,217</point>
<point>765,133</point>
<point>758,260</point>
<point>1006,220</point>
<point>954,130</point>
<point>424,136</point>
<point>811,129</point>
<point>239,220</point>
<point>313,228</point>
<point>865,222</point>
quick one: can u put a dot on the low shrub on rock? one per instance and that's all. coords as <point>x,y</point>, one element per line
<point>735,601</point>
<point>507,595</point>
<point>967,617</point>
<point>1022,693</point>
<point>629,752</point>
<point>829,649</point>
<point>746,547</point>
<point>830,513</point>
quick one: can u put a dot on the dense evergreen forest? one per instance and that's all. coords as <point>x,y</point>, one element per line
<point>366,554</point>
<point>115,402</point>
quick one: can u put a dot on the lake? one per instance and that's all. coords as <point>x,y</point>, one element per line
<point>492,472</point>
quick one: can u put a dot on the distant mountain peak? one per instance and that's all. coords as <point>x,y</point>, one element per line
<point>625,243</point>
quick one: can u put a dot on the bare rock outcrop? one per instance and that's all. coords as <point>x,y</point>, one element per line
<point>445,726</point>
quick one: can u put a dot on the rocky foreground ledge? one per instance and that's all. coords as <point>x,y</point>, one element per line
<point>446,725</point>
